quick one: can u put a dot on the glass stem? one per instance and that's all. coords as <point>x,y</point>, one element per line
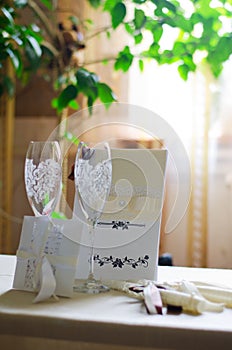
<point>91,258</point>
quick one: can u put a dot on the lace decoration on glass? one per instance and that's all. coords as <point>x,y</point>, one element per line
<point>41,180</point>
<point>94,182</point>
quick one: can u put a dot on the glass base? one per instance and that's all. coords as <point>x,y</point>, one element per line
<point>90,287</point>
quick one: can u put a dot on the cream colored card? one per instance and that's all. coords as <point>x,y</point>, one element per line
<point>127,236</point>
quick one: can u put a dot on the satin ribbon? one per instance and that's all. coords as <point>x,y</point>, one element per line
<point>43,273</point>
<point>154,295</point>
<point>47,281</point>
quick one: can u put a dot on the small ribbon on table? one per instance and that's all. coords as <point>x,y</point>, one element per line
<point>152,298</point>
<point>182,294</point>
<point>47,280</point>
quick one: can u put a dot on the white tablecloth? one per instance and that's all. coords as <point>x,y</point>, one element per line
<point>109,320</point>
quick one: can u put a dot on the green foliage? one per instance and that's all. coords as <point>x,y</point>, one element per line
<point>88,84</point>
<point>199,25</point>
<point>20,44</point>
<point>118,14</point>
<point>95,3</point>
<point>193,26</point>
<point>124,59</point>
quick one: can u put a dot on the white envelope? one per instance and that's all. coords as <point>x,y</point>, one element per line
<point>126,242</point>
<point>41,237</point>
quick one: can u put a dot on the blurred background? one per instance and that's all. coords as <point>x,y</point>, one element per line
<point>171,57</point>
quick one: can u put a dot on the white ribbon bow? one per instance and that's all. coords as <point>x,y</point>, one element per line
<point>44,275</point>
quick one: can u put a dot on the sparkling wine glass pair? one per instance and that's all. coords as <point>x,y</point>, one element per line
<point>93,174</point>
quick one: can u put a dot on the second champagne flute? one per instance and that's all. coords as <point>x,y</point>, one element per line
<point>93,174</point>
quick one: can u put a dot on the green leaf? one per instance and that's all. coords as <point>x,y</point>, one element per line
<point>95,3</point>
<point>153,51</point>
<point>139,1</point>
<point>74,104</point>
<point>90,102</point>
<point>20,3</point>
<point>124,60</point>
<point>48,4</point>
<point>195,18</point>
<point>157,33</point>
<point>118,14</point>
<point>222,51</point>
<point>17,39</point>
<point>203,7</point>
<point>15,59</point>
<point>165,4</point>
<point>183,70</point>
<point>216,69</point>
<point>54,103</point>
<point>141,65</point>
<point>32,58</point>
<point>129,28</point>
<point>138,38</point>
<point>179,48</point>
<point>68,94</point>
<point>87,84</point>
<point>139,18</point>
<point>86,79</point>
<point>35,45</point>
<point>109,5</point>
<point>105,93</point>
<point>8,15</point>
<point>188,60</point>
<point>183,23</point>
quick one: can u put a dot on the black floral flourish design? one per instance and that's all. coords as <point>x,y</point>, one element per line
<point>121,262</point>
<point>124,225</point>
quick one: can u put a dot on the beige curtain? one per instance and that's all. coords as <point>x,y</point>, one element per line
<point>198,207</point>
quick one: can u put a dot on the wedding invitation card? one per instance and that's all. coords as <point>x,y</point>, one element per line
<point>126,240</point>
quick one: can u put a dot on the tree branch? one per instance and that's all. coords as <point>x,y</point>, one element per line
<point>100,60</point>
<point>99,31</point>
<point>43,18</point>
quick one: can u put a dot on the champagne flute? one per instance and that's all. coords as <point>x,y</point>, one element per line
<point>93,174</point>
<point>43,176</point>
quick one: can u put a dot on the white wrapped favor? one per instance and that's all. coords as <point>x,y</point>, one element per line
<point>46,258</point>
